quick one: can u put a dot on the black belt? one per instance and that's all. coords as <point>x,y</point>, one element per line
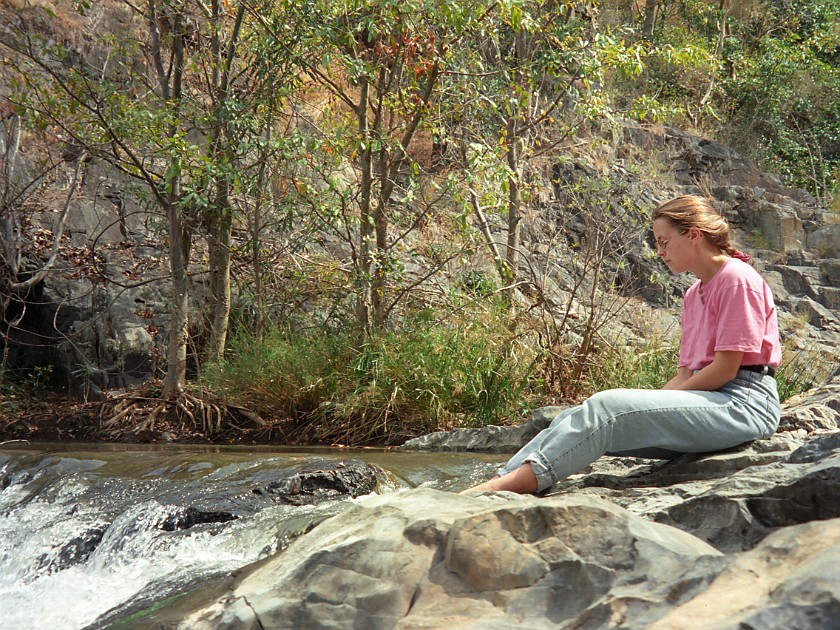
<point>769,370</point>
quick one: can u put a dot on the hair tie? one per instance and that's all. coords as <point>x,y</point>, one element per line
<point>740,255</point>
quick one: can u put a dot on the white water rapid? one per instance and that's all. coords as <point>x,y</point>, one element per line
<point>89,537</point>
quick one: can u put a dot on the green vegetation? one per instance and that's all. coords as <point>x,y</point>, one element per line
<point>18,391</point>
<point>760,75</point>
<point>803,369</point>
<point>372,166</point>
<point>648,367</point>
<point>430,375</point>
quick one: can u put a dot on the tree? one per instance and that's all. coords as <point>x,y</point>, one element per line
<point>170,113</point>
<point>381,65</point>
<point>518,84</point>
<point>19,273</point>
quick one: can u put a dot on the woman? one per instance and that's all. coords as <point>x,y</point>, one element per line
<point>723,394</point>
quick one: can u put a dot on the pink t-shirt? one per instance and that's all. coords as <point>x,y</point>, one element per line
<point>734,312</point>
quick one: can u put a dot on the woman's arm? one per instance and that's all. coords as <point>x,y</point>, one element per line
<point>722,369</point>
<point>682,375</point>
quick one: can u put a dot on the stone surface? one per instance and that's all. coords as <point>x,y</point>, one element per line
<point>319,482</point>
<point>492,439</point>
<point>791,580</point>
<point>426,559</point>
<point>745,538</point>
<point>816,409</point>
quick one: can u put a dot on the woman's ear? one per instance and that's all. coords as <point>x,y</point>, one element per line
<point>694,233</point>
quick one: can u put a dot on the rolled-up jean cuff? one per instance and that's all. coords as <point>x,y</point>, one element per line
<point>543,471</point>
<point>546,477</point>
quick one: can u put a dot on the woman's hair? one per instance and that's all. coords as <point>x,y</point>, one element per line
<point>691,211</point>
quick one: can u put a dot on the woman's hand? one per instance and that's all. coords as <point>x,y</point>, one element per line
<point>682,375</point>
<point>722,369</point>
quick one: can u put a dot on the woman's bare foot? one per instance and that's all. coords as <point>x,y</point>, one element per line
<point>522,480</point>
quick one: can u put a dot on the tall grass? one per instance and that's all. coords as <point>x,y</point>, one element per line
<point>803,369</point>
<point>650,367</point>
<point>427,376</point>
<point>325,388</point>
<point>647,367</point>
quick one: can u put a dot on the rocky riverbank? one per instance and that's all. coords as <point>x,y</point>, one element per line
<point>743,538</point>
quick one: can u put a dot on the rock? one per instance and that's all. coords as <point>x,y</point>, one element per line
<point>426,559</point>
<point>74,551</point>
<point>816,449</point>
<point>790,580</point>
<point>817,409</point>
<point>816,313</point>
<point>781,227</point>
<point>826,239</point>
<point>830,268</point>
<point>186,518</point>
<point>747,537</point>
<point>799,280</point>
<point>737,512</point>
<point>490,439</point>
<point>317,482</point>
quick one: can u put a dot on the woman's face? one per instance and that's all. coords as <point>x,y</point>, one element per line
<point>672,245</point>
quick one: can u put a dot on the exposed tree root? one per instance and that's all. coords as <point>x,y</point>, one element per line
<point>186,416</point>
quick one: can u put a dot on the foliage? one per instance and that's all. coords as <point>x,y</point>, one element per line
<point>763,76</point>
<point>429,375</point>
<point>803,369</point>
<point>18,390</point>
<point>646,367</point>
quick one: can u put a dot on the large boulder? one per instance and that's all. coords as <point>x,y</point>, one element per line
<point>427,559</point>
<point>791,580</point>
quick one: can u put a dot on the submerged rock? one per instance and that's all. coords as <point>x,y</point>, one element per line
<point>321,481</point>
<point>75,551</point>
<point>186,518</point>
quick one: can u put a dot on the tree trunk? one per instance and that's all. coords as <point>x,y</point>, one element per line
<point>219,259</point>
<point>650,18</point>
<point>514,226</point>
<point>180,238</point>
<point>515,179</point>
<point>380,226</point>
<point>221,219</point>
<point>366,228</point>
<point>180,228</point>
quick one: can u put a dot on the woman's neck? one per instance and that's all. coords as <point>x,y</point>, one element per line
<point>707,267</point>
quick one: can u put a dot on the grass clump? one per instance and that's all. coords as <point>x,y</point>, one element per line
<point>427,376</point>
<point>802,370</point>
<point>323,387</point>
<point>627,367</point>
<point>652,366</point>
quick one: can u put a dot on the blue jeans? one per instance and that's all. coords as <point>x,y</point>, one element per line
<point>656,423</point>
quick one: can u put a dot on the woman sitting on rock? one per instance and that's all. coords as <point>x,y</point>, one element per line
<point>723,394</point>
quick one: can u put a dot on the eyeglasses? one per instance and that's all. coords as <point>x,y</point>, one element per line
<point>661,244</point>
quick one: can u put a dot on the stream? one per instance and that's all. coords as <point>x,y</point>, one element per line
<point>90,534</point>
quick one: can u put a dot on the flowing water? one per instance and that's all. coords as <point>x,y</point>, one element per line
<point>90,534</point>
